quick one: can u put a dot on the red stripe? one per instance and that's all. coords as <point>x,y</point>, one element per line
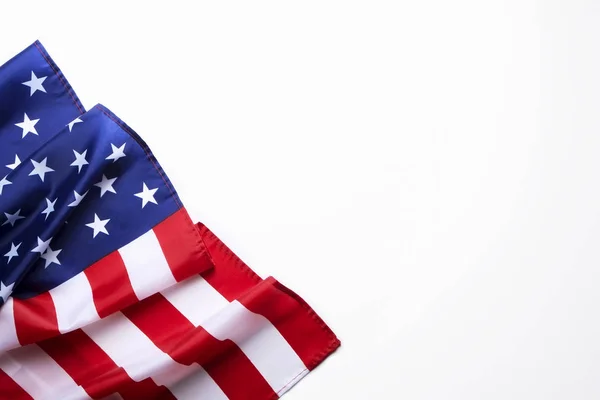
<point>110,284</point>
<point>91,368</point>
<point>230,277</point>
<point>302,328</point>
<point>182,246</point>
<point>9,389</point>
<point>35,318</point>
<point>223,360</point>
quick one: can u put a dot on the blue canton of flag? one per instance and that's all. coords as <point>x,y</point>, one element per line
<point>75,188</point>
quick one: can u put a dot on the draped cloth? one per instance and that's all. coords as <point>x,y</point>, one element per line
<point>107,287</point>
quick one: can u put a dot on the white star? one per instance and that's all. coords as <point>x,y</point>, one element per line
<point>75,121</point>
<point>13,252</point>
<point>28,125</point>
<point>12,218</point>
<point>98,225</point>
<point>16,163</point>
<point>105,185</point>
<point>51,256</point>
<point>117,152</point>
<point>35,84</point>
<point>4,182</point>
<point>40,168</point>
<point>147,195</point>
<point>41,246</point>
<point>49,207</point>
<point>5,291</point>
<point>80,160</point>
<point>78,198</point>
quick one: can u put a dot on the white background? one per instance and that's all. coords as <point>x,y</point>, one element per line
<point>424,173</point>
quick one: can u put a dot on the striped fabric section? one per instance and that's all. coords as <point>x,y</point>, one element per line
<point>222,334</point>
<point>154,261</point>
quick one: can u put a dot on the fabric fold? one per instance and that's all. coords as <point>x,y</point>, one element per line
<point>226,332</point>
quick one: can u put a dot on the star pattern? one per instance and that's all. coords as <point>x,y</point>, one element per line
<point>78,198</point>
<point>50,256</point>
<point>28,125</point>
<point>12,218</point>
<point>4,182</point>
<point>49,207</point>
<point>13,252</point>
<point>72,123</point>
<point>98,225</point>
<point>35,84</point>
<point>147,195</point>
<point>42,245</point>
<point>80,160</point>
<point>117,152</point>
<point>15,164</point>
<point>106,185</point>
<point>5,290</point>
<point>40,168</point>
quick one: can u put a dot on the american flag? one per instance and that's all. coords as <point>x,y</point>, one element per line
<point>107,287</point>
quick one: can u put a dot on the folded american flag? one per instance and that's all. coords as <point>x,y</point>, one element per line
<point>107,288</point>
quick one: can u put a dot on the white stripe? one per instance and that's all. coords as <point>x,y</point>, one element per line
<point>8,330</point>
<point>171,377</point>
<point>292,383</point>
<point>129,348</point>
<point>146,265</point>
<point>39,375</point>
<point>270,353</point>
<point>260,341</point>
<point>197,385</point>
<point>132,350</point>
<point>74,303</point>
<point>209,300</point>
<point>190,383</point>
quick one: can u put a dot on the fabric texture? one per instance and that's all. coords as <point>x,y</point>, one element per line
<point>107,287</point>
